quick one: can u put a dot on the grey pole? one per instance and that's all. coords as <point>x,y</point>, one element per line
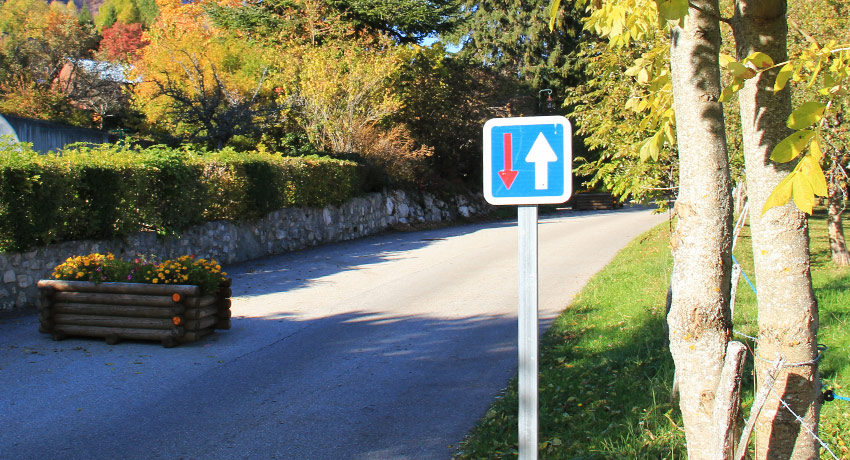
<point>527,224</point>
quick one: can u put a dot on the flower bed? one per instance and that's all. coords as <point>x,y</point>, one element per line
<point>174,301</point>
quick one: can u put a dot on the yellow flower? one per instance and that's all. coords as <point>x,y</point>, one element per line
<point>155,280</point>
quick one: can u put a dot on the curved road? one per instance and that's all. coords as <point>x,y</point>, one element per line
<point>389,347</point>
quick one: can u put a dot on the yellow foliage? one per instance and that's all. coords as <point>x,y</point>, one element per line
<point>189,53</point>
<point>344,90</point>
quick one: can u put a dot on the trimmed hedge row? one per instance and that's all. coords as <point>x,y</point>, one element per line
<point>111,191</point>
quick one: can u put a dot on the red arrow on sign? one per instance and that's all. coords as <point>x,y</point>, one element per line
<point>508,174</point>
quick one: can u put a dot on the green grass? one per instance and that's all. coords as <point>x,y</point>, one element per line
<point>606,376</point>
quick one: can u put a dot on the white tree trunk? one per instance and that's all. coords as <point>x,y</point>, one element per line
<point>835,227</point>
<point>699,319</point>
<point>787,310</point>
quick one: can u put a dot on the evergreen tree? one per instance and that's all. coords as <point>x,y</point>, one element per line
<point>513,37</point>
<point>128,12</point>
<point>85,17</point>
<point>106,16</point>
<point>148,11</point>
<point>407,21</point>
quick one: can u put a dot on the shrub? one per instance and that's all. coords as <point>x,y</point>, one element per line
<point>111,191</point>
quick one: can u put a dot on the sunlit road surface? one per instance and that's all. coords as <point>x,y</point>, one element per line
<point>387,348</point>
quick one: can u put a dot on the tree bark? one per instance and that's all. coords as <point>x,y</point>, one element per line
<point>699,322</point>
<point>835,227</point>
<point>787,309</point>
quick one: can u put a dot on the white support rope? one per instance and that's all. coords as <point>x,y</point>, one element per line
<point>740,223</point>
<point>778,363</point>
<point>803,424</point>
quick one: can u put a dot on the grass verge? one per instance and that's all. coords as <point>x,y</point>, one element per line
<point>606,376</point>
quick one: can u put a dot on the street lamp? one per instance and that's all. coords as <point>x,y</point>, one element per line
<point>549,104</point>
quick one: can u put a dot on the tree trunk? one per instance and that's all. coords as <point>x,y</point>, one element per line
<point>787,309</point>
<point>699,319</point>
<point>835,209</point>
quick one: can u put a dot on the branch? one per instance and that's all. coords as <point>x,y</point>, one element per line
<point>802,32</point>
<point>710,14</point>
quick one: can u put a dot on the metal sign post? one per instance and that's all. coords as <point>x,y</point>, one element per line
<point>527,161</point>
<point>527,224</point>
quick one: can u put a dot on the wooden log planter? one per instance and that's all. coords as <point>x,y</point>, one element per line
<point>172,314</point>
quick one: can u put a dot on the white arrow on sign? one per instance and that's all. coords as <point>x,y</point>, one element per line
<point>541,154</point>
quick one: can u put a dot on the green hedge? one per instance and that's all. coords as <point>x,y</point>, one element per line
<point>111,191</point>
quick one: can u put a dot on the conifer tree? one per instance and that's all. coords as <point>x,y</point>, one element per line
<point>85,17</point>
<point>513,37</point>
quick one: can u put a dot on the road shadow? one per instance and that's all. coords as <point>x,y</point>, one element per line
<point>358,385</point>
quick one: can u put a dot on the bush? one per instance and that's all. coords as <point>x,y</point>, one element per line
<point>111,191</point>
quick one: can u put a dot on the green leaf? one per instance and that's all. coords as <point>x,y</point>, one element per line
<point>790,147</point>
<point>672,10</point>
<point>804,195</point>
<point>553,14</point>
<point>760,60</point>
<point>781,194</point>
<point>782,78</point>
<point>725,60</point>
<point>814,76</point>
<point>658,140</point>
<point>651,148</point>
<point>815,151</point>
<point>633,70</point>
<point>811,170</point>
<point>730,90</point>
<point>671,136</point>
<point>806,115</point>
<point>646,150</point>
<point>741,71</point>
<point>727,94</point>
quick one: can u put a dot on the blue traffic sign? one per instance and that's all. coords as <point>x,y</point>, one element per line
<point>527,160</point>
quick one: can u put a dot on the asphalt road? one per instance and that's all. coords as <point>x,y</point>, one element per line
<point>389,347</point>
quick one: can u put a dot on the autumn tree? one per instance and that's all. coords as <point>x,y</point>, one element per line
<point>447,98</point>
<point>787,309</point>
<point>121,42</point>
<point>37,42</point>
<point>200,83</point>
<point>817,23</point>
<point>608,109</point>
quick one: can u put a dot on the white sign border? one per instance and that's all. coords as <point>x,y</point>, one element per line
<point>522,121</point>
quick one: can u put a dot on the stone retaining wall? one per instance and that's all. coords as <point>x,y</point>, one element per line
<point>228,242</point>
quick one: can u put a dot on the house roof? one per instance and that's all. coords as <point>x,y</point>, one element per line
<point>109,71</point>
